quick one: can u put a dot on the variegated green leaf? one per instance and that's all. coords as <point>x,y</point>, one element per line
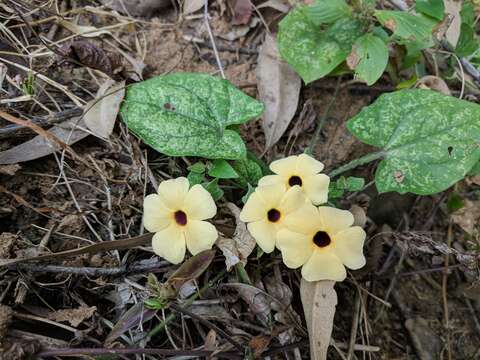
<point>429,141</point>
<point>188,114</point>
<point>311,51</point>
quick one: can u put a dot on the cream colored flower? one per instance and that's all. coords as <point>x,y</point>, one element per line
<point>176,216</point>
<point>301,170</point>
<point>266,210</point>
<point>323,241</point>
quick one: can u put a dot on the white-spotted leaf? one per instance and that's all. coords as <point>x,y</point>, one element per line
<point>429,140</point>
<point>371,57</point>
<point>311,51</point>
<point>188,114</point>
<point>408,27</point>
<point>328,11</point>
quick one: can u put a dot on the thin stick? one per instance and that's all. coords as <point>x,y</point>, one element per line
<point>92,271</point>
<point>212,39</point>
<point>444,293</point>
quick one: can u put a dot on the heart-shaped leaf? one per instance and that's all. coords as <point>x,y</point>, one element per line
<point>408,27</point>
<point>429,140</point>
<point>188,114</point>
<point>369,58</point>
<point>311,51</point>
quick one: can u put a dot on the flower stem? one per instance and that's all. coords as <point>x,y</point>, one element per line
<point>357,162</point>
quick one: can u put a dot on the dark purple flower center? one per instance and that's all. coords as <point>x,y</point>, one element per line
<point>180,217</point>
<point>321,239</point>
<point>273,215</point>
<point>295,180</point>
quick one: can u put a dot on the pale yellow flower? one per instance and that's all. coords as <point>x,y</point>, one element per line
<point>301,170</point>
<point>323,241</point>
<point>176,216</point>
<point>266,210</point>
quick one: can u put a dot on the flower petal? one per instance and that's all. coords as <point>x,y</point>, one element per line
<point>170,244</point>
<point>285,167</point>
<point>271,180</point>
<point>305,220</point>
<point>264,233</point>
<point>271,194</point>
<point>334,220</point>
<point>255,208</point>
<point>156,216</point>
<point>307,165</point>
<point>316,188</point>
<point>293,200</point>
<point>324,265</point>
<point>200,235</point>
<point>199,204</point>
<point>173,192</point>
<point>348,246</point>
<point>296,248</point>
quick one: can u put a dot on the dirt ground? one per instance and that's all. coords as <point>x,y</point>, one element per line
<point>411,301</point>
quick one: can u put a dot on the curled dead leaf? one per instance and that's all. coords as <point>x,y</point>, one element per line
<point>92,56</point>
<point>74,316</point>
<point>359,215</point>
<point>240,246</point>
<point>433,83</point>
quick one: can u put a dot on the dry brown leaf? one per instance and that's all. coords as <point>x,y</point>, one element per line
<point>242,12</point>
<point>74,316</point>
<point>279,89</point>
<point>468,216</point>
<point>359,215</point>
<point>259,344</point>
<point>92,56</point>
<point>240,246</point>
<point>319,300</point>
<point>258,301</point>
<point>434,83</point>
<point>9,169</point>
<point>282,6</point>
<point>452,10</point>
<point>211,341</point>
<point>280,291</point>
<point>39,146</point>
<point>100,114</point>
<point>191,6</point>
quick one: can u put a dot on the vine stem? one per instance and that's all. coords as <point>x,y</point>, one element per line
<point>357,162</point>
<point>316,135</point>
